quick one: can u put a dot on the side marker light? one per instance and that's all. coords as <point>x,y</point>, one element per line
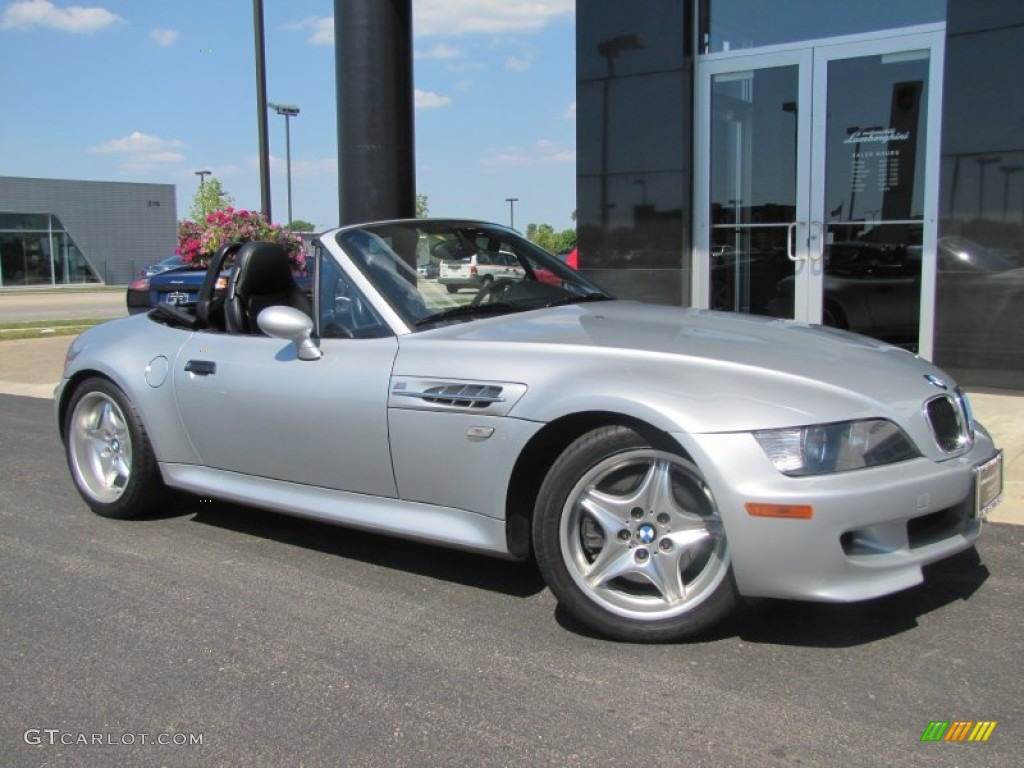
<point>788,511</point>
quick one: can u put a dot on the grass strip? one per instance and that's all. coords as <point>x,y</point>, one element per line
<point>40,329</point>
<point>17,325</point>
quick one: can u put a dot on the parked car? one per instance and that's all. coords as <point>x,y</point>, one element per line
<point>178,286</point>
<point>657,462</point>
<point>428,269</point>
<point>869,288</point>
<point>569,258</point>
<point>161,266</point>
<point>473,265</point>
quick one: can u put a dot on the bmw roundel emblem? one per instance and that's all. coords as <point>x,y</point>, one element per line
<point>935,381</point>
<point>646,534</point>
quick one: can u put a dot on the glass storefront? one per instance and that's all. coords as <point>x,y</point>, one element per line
<point>853,164</point>
<point>35,250</point>
<point>979,297</point>
<point>731,25</point>
<point>633,141</point>
<point>813,183</point>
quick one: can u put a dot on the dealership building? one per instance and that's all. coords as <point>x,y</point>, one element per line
<point>853,163</point>
<point>57,232</point>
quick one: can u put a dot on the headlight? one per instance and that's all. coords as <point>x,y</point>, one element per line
<point>824,448</point>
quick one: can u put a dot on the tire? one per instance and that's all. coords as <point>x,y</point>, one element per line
<point>452,288</point>
<point>108,451</point>
<point>630,541</point>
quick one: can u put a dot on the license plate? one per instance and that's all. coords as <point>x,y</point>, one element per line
<point>177,298</point>
<point>988,485</point>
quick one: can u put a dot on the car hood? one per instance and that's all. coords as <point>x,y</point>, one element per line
<point>747,371</point>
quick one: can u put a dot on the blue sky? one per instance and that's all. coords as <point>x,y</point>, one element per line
<point>140,90</point>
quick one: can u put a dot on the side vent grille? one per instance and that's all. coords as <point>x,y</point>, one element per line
<point>464,395</point>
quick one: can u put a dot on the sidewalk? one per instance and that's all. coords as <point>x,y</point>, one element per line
<point>32,368</point>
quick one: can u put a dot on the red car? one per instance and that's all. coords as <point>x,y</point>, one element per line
<point>569,258</point>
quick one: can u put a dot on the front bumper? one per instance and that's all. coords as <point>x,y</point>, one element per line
<point>871,532</point>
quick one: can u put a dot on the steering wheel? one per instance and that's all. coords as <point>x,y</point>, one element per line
<point>490,291</point>
<point>206,303</point>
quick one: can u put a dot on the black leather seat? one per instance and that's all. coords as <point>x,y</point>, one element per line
<point>262,277</point>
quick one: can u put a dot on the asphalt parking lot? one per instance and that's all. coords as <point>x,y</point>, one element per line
<point>277,641</point>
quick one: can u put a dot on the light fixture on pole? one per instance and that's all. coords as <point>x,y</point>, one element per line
<point>511,211</point>
<point>288,111</point>
<point>202,176</point>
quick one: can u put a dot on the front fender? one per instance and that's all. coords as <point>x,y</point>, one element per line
<point>136,353</point>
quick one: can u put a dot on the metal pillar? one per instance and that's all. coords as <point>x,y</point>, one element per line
<point>376,136</point>
<point>261,107</point>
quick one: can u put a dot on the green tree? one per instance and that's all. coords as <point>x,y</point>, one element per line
<point>547,238</point>
<point>211,196</point>
<point>422,207</point>
<point>301,225</point>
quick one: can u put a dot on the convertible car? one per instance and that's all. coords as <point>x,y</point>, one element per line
<point>658,463</point>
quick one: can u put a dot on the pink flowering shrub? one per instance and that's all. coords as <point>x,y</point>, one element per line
<point>198,240</point>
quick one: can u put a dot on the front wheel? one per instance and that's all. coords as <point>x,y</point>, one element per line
<point>630,541</point>
<point>108,452</point>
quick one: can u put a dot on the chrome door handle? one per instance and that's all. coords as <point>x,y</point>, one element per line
<point>790,231</point>
<point>819,253</point>
<point>201,367</point>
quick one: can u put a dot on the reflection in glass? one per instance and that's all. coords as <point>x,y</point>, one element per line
<point>36,250</point>
<point>736,24</point>
<point>753,185</point>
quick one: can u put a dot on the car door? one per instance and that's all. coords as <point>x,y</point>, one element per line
<point>250,406</point>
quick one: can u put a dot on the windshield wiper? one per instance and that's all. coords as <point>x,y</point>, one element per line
<point>468,310</point>
<point>579,299</point>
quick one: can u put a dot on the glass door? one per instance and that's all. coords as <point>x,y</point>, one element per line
<point>817,186</point>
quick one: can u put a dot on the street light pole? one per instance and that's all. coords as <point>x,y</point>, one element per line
<point>261,108</point>
<point>511,211</point>
<point>288,111</point>
<point>202,177</point>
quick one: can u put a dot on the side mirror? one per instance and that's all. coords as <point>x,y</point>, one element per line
<point>290,324</point>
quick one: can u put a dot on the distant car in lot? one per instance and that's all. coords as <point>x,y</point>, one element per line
<point>161,266</point>
<point>657,463</point>
<point>429,270</point>
<point>177,286</point>
<point>569,258</point>
<point>478,268</point>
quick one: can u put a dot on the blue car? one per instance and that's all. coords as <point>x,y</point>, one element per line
<point>178,287</point>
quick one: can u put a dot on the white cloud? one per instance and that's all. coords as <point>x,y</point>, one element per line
<point>460,17</point>
<point>440,51</point>
<point>25,14</point>
<point>518,63</point>
<point>164,37</point>
<point>570,112</point>
<point>304,169</point>
<point>142,152</point>
<point>320,28</point>
<point>542,153</point>
<point>431,100</point>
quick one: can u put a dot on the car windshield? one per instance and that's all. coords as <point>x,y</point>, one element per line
<point>466,270</point>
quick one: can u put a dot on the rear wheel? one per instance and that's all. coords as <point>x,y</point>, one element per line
<point>452,288</point>
<point>629,539</point>
<point>108,451</point>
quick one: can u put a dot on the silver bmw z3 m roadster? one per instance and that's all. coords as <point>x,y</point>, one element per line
<point>658,463</point>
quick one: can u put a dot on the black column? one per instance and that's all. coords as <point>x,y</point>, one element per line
<point>374,77</point>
